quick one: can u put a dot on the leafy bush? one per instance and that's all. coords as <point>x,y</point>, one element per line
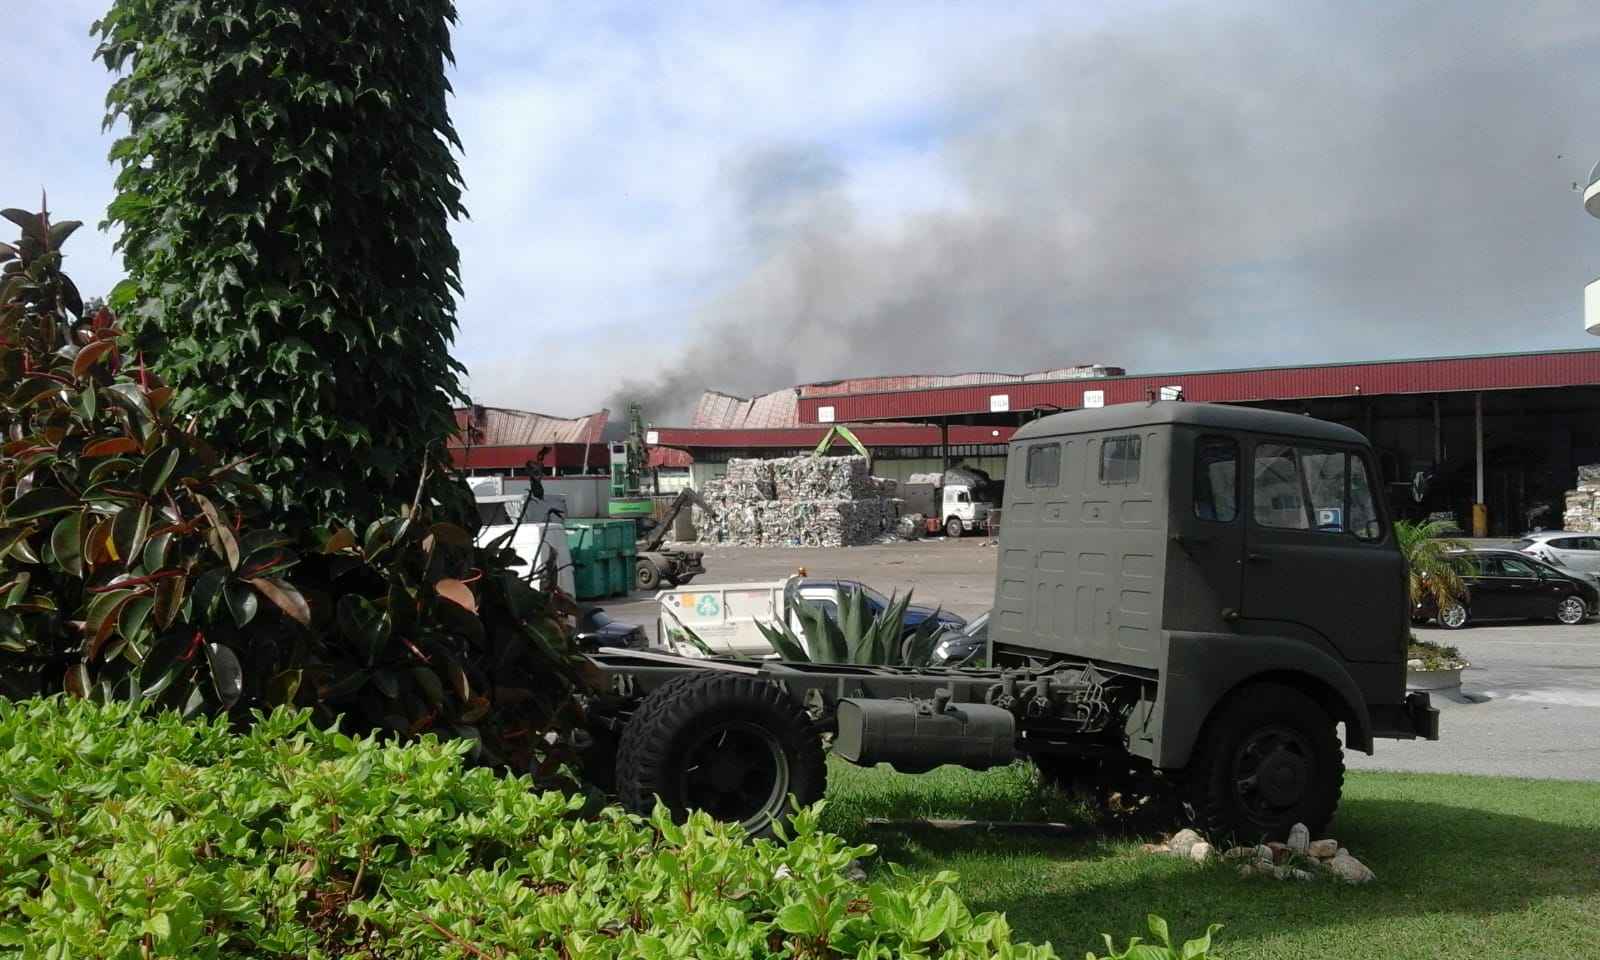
<point>133,836</point>
<point>133,564</point>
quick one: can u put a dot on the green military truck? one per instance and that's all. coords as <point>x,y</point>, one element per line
<point>1188,596</point>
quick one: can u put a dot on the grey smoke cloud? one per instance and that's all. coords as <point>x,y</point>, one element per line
<point>1200,189</point>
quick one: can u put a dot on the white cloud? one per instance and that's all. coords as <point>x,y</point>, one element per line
<point>728,194</point>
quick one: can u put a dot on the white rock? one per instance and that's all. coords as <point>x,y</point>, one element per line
<point>1299,837</point>
<point>1265,853</point>
<point>1322,849</point>
<point>1200,852</point>
<point>1302,875</point>
<point>855,873</point>
<point>1350,870</point>
<point>1342,852</point>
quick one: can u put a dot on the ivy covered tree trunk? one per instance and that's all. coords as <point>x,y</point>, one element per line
<point>285,189</point>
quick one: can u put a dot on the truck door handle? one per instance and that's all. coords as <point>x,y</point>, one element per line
<point>1257,556</point>
<point>1180,538</point>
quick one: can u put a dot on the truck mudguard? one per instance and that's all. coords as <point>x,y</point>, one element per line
<point>1203,668</point>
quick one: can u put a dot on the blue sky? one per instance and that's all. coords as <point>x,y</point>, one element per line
<point>748,195</point>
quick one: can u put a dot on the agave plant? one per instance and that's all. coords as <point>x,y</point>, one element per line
<point>857,637</point>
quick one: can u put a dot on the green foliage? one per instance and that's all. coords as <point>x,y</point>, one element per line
<point>132,837</point>
<point>1436,656</point>
<point>125,566</point>
<point>1432,564</point>
<point>1196,949</point>
<point>133,564</point>
<point>285,190</point>
<point>856,637</point>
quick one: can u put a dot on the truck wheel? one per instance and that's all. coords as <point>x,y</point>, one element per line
<point>735,746</point>
<point>953,529</point>
<point>1267,759</point>
<point>649,577</point>
<point>1453,617</point>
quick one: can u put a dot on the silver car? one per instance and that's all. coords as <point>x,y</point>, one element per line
<point>1575,551</point>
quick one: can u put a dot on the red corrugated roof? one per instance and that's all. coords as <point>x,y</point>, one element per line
<point>781,408</point>
<point>668,457</point>
<point>497,426</point>
<point>1441,375</point>
<point>801,438</point>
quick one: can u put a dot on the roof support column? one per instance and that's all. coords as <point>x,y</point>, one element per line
<point>1480,513</point>
<point>944,444</point>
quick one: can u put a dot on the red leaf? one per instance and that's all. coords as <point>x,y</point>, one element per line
<point>457,593</point>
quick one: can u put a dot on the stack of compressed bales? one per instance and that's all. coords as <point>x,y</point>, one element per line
<point>800,502</point>
<point>1583,504</point>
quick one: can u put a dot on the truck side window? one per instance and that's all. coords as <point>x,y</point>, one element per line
<point>1278,498</point>
<point>1313,489</point>
<point>1216,478</point>
<point>1044,465</point>
<point>1119,460</point>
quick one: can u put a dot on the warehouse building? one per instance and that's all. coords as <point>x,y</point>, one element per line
<point>1493,441</point>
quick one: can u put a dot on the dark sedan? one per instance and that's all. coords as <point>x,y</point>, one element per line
<point>1508,585</point>
<point>966,647</point>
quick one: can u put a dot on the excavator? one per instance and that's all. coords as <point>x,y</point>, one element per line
<point>657,563</point>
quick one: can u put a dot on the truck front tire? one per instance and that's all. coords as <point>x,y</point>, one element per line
<point>648,576</point>
<point>953,528</point>
<point>735,746</point>
<point>1268,758</point>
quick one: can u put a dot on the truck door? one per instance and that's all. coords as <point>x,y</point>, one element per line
<point>1209,533</point>
<point>1319,561</point>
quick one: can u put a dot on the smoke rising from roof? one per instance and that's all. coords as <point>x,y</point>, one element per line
<point>1200,189</point>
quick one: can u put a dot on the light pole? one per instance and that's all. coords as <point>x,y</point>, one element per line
<point>1591,293</point>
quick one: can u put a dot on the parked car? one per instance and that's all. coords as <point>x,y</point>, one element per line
<point>968,646</point>
<point>828,593</point>
<point>1510,585</point>
<point>598,630</point>
<point>1579,551</point>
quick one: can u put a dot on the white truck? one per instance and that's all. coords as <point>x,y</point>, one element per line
<point>957,501</point>
<point>722,617</point>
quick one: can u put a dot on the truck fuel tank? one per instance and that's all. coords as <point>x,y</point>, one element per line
<point>918,735</point>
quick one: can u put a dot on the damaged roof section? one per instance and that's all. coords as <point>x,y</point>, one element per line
<point>498,427</point>
<point>781,408</point>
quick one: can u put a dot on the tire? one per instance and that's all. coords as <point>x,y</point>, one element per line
<point>735,746</point>
<point>953,529</point>
<point>1571,611</point>
<point>1268,758</point>
<point>1453,617</point>
<point>648,576</point>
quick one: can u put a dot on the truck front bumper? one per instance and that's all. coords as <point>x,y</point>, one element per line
<point>1415,719</point>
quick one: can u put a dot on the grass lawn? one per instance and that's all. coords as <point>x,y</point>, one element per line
<point>1467,867</point>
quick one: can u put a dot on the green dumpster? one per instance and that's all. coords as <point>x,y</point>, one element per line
<point>603,557</point>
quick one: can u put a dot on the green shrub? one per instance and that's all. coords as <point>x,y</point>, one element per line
<point>134,836</point>
<point>134,565</point>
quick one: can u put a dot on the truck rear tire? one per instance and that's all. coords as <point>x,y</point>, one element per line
<point>953,528</point>
<point>648,576</point>
<point>735,746</point>
<point>1268,758</point>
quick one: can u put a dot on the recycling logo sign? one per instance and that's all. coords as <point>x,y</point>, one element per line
<point>707,605</point>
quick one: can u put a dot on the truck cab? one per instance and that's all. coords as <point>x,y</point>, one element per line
<point>1206,553</point>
